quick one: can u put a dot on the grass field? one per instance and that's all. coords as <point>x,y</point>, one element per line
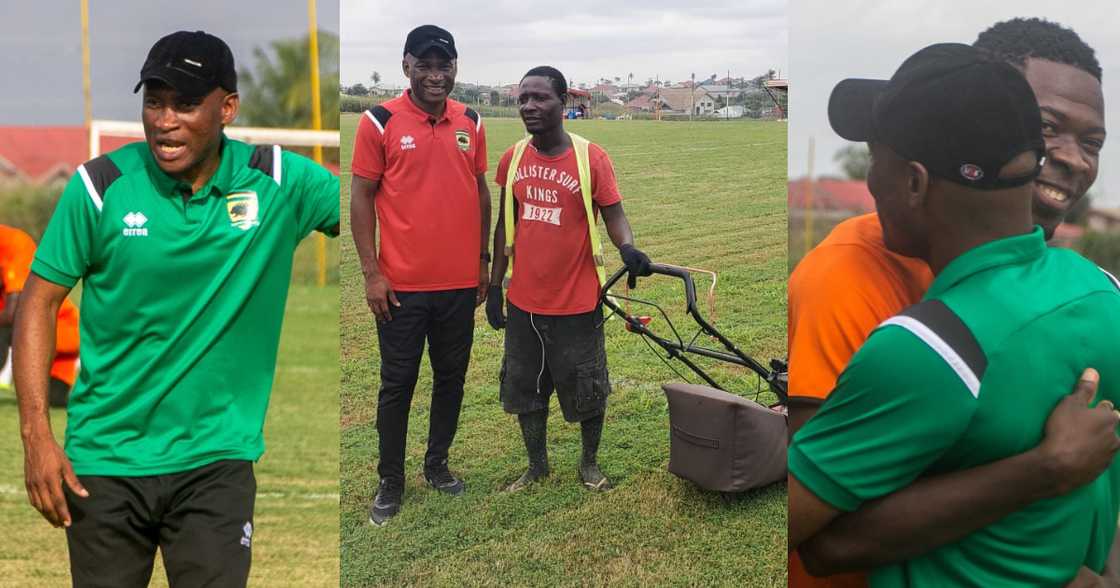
<point>296,538</point>
<point>708,195</point>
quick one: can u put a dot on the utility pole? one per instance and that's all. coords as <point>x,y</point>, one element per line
<point>87,97</point>
<point>692,96</point>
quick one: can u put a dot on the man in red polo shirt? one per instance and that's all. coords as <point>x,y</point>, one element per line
<point>554,334</point>
<point>419,172</point>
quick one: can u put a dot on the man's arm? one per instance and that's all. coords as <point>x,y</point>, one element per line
<point>495,309</point>
<point>8,315</point>
<point>484,213</point>
<point>45,464</point>
<point>618,227</point>
<point>1078,446</point>
<point>808,514</point>
<point>363,228</point>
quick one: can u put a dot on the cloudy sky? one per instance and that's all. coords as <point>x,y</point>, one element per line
<point>830,41</point>
<point>41,48</point>
<point>499,40</point>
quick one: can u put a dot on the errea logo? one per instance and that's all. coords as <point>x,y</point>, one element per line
<point>134,225</point>
<point>407,142</point>
<point>247,534</point>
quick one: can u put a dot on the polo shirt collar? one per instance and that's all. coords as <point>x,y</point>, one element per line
<point>1006,251</point>
<point>169,186</point>
<point>420,112</point>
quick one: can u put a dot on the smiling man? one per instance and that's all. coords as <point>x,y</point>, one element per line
<point>956,139</point>
<point>554,185</point>
<point>825,332</point>
<point>420,176</point>
<point>184,247</point>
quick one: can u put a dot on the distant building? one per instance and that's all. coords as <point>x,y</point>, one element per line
<point>733,111</point>
<point>45,155</point>
<point>687,100</point>
<point>48,155</point>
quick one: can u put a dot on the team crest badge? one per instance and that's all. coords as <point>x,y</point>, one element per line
<point>971,172</point>
<point>463,139</point>
<point>242,208</point>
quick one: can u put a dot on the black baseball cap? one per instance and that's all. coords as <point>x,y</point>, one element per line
<point>951,107</point>
<point>427,37</point>
<point>192,63</point>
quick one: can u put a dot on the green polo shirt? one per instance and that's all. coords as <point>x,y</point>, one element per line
<point>910,405</point>
<point>182,301</point>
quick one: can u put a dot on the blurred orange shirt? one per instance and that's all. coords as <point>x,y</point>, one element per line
<point>838,294</point>
<point>17,251</point>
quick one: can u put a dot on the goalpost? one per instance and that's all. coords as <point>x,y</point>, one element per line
<point>254,135</point>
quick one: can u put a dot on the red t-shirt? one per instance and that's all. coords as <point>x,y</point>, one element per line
<point>553,266</point>
<point>427,200</point>
<point>17,251</point>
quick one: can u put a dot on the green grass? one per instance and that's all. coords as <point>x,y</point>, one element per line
<point>296,538</point>
<point>703,195</point>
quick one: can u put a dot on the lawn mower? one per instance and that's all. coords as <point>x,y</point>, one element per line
<point>720,441</point>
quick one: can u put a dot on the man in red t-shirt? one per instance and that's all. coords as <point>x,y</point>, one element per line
<point>17,251</point>
<point>554,333</point>
<point>419,174</point>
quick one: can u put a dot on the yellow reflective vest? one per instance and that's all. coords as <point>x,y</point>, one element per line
<point>583,164</point>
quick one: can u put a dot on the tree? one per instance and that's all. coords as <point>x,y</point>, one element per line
<point>855,160</point>
<point>358,90</point>
<point>375,78</point>
<point>276,92</point>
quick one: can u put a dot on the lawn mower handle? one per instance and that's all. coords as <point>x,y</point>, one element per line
<point>665,270</point>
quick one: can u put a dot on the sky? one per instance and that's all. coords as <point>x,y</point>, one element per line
<point>41,48</point>
<point>877,35</point>
<point>499,40</point>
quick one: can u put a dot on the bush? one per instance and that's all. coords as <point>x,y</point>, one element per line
<point>1102,248</point>
<point>357,103</point>
<point>28,207</point>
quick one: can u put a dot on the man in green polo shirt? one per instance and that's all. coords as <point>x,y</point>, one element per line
<point>184,247</point>
<point>970,375</point>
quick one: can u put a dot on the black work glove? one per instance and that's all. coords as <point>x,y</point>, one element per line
<point>637,264</point>
<point>495,308</point>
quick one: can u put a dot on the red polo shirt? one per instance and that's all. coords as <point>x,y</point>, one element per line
<point>553,267</point>
<point>427,200</point>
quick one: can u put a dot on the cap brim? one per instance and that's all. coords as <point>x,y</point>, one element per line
<point>186,85</point>
<point>850,108</point>
<point>425,47</point>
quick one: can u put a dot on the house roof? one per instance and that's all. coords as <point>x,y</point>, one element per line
<point>681,98</point>
<point>39,154</point>
<point>831,194</point>
<point>42,154</point>
<point>641,102</point>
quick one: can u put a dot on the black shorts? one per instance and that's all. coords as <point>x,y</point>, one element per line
<point>546,352</point>
<point>201,520</point>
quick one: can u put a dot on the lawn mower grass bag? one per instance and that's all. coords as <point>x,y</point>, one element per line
<point>724,442</point>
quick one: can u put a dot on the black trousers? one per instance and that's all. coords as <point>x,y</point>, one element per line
<point>445,319</point>
<point>201,519</point>
<point>565,353</point>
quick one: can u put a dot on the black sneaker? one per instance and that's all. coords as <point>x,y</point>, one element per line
<point>387,503</point>
<point>443,480</point>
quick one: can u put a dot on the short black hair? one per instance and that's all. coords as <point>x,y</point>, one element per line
<point>559,82</point>
<point>1017,39</point>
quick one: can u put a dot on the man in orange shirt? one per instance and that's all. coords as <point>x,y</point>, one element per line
<point>867,284</point>
<point>17,250</point>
